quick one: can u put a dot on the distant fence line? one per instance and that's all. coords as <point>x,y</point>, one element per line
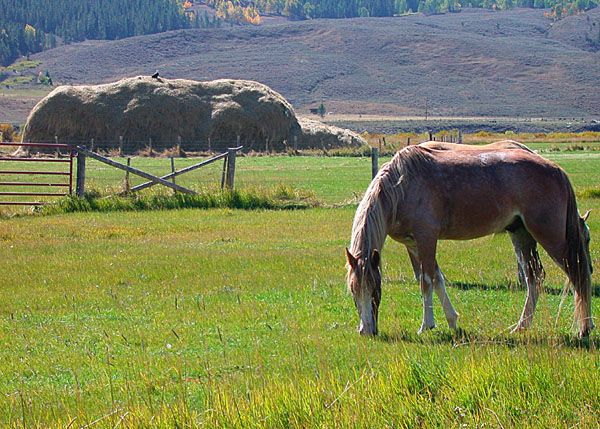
<point>122,146</point>
<point>179,147</point>
<point>154,171</point>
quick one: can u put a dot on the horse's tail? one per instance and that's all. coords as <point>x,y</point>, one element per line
<point>577,264</point>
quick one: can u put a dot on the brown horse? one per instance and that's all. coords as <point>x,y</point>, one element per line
<point>502,144</point>
<point>425,194</point>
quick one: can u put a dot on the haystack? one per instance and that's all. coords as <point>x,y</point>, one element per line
<point>316,134</point>
<point>142,108</point>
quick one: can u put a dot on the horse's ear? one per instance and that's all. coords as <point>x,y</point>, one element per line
<point>375,258</point>
<point>352,261</point>
<point>586,215</point>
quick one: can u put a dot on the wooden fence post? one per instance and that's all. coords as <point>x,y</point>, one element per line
<point>295,144</point>
<point>460,137</point>
<point>127,184</point>
<point>173,169</point>
<point>267,145</point>
<point>120,145</point>
<point>230,168</point>
<point>374,161</point>
<point>179,146</point>
<point>209,148</point>
<point>430,136</point>
<point>92,145</point>
<point>80,186</point>
<point>150,147</point>
<point>408,141</point>
<point>223,173</point>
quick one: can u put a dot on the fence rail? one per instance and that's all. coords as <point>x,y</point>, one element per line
<point>23,175</point>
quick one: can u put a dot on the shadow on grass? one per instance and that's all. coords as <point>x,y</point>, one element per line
<point>510,287</point>
<point>463,338</point>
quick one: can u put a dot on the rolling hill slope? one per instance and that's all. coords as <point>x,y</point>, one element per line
<point>473,63</point>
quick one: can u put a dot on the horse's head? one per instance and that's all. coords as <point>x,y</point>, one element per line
<point>364,281</point>
<point>585,232</point>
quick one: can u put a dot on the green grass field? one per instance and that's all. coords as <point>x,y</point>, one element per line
<point>231,318</point>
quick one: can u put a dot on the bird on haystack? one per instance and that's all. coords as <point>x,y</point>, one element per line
<point>155,75</point>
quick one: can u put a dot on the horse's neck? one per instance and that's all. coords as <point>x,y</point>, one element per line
<point>370,229</point>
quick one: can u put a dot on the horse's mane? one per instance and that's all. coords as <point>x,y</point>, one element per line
<point>382,199</point>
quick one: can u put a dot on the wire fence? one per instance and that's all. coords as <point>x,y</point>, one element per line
<point>333,177</point>
<point>181,147</point>
<point>332,180</point>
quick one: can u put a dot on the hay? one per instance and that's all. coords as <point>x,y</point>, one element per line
<point>316,134</point>
<point>164,110</point>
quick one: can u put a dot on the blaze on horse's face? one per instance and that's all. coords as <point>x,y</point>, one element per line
<point>586,237</point>
<point>364,281</point>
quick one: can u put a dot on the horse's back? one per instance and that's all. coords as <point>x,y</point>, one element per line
<point>502,144</point>
<point>478,192</point>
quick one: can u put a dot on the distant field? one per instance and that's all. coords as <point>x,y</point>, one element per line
<point>16,103</point>
<point>229,318</point>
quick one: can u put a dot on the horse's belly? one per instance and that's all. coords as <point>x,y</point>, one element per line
<point>468,228</point>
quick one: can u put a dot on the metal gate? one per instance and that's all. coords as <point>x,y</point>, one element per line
<point>30,176</point>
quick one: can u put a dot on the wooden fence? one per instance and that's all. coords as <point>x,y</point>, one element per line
<point>25,175</point>
<point>227,180</point>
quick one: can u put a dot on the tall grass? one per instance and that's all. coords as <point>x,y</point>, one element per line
<point>241,318</point>
<point>280,197</point>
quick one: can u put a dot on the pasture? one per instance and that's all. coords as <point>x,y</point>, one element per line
<point>231,318</point>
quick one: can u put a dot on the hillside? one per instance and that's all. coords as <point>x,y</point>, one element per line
<point>473,63</point>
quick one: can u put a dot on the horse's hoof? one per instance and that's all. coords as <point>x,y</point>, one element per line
<point>424,328</point>
<point>519,328</point>
<point>585,332</point>
<point>452,323</point>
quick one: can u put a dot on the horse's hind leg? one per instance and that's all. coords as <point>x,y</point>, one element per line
<point>531,270</point>
<point>550,233</point>
<point>439,286</point>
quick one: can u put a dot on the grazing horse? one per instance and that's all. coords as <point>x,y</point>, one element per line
<point>425,194</point>
<point>502,144</point>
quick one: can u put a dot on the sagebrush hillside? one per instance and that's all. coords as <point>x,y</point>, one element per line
<point>474,63</point>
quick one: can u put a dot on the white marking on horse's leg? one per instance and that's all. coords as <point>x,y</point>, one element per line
<point>427,291</point>
<point>439,284</point>
<point>525,264</point>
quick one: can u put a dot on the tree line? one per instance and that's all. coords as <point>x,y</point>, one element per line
<point>28,26</point>
<point>306,9</point>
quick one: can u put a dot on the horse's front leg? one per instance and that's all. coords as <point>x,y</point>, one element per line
<point>426,251</point>
<point>414,261</point>
<point>439,285</point>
